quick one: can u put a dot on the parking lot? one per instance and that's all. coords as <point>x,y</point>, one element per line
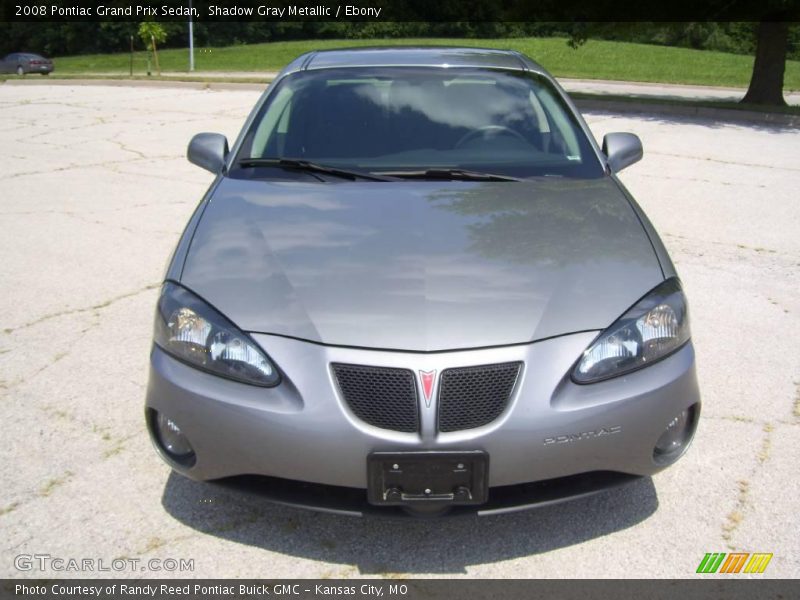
<point>94,192</point>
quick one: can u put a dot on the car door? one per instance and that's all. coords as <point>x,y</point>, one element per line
<point>13,61</point>
<point>5,64</point>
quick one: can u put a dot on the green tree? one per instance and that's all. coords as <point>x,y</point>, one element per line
<point>151,34</point>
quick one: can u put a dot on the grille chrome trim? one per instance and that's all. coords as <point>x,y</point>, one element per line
<point>384,397</point>
<point>471,397</point>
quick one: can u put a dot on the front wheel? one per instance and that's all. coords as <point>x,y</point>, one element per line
<point>45,74</point>
<point>20,71</point>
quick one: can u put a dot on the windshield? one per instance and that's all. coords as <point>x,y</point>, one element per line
<point>400,120</point>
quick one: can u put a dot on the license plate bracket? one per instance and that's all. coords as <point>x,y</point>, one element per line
<point>428,477</point>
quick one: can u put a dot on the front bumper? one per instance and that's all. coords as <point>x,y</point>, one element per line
<point>353,501</point>
<point>303,431</point>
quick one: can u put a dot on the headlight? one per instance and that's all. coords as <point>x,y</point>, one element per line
<point>190,330</point>
<point>655,327</point>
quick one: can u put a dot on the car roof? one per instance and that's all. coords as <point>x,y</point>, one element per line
<point>417,56</point>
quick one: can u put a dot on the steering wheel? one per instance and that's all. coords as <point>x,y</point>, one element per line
<point>487,131</point>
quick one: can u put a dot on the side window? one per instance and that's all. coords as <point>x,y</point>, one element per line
<point>541,118</point>
<point>271,131</point>
<point>564,135</point>
<point>283,122</point>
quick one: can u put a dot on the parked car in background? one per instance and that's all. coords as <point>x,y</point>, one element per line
<point>22,63</point>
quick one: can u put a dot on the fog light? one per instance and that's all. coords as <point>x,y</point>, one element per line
<point>676,436</point>
<point>172,439</point>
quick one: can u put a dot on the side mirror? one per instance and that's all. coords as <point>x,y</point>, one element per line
<point>209,151</point>
<point>622,150</point>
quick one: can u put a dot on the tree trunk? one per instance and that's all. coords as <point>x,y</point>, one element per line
<point>158,67</point>
<point>766,83</point>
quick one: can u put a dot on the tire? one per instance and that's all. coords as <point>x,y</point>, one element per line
<point>20,71</point>
<point>45,74</point>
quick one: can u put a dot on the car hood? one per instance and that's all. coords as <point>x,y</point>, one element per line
<point>420,266</point>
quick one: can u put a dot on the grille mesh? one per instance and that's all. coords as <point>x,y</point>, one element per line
<point>470,397</point>
<point>380,396</point>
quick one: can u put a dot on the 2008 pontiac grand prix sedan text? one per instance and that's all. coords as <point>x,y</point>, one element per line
<point>416,282</point>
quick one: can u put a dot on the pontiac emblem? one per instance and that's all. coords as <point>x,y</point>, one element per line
<point>427,378</point>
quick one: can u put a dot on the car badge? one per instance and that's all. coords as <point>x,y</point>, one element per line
<point>427,378</point>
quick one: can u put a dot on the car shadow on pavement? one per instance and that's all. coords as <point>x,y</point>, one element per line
<point>376,545</point>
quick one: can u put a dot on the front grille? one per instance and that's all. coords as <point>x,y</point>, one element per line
<point>470,397</point>
<point>380,396</point>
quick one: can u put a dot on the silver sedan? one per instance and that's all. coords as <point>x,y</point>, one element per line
<point>23,63</point>
<point>417,285</point>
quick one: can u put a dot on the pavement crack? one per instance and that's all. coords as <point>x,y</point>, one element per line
<point>74,311</point>
<point>733,418</point>
<point>110,164</point>
<point>702,180</point>
<point>735,163</point>
<point>101,211</point>
<point>9,508</point>
<point>796,409</point>
<point>8,385</point>
<point>119,445</point>
<point>56,358</point>
<point>737,515</point>
<point>125,148</point>
<point>21,543</point>
<point>756,249</point>
<point>766,444</point>
<point>54,483</point>
<point>98,222</point>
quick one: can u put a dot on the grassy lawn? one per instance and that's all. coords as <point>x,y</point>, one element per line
<point>594,60</point>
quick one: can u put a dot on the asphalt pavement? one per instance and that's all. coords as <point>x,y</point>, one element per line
<point>95,191</point>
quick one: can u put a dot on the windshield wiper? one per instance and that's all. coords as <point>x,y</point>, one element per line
<point>451,175</point>
<point>304,165</point>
